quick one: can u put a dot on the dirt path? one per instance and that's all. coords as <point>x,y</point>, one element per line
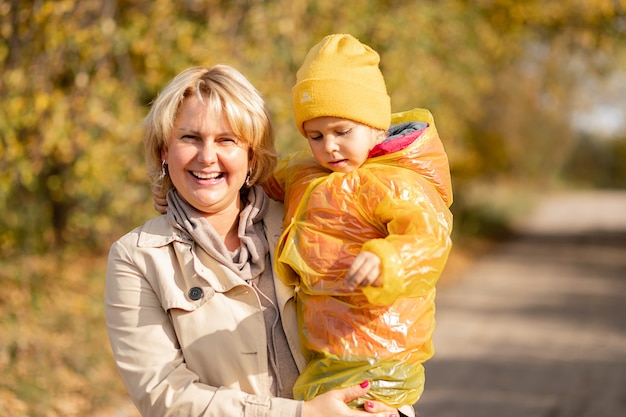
<point>537,327</point>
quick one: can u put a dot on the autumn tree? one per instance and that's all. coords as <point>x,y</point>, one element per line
<point>77,79</point>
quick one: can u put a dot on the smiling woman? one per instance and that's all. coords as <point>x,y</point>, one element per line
<point>211,149</point>
<point>208,164</point>
<point>198,321</point>
<point>223,97</point>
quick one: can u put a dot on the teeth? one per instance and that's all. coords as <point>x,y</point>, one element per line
<point>204,176</point>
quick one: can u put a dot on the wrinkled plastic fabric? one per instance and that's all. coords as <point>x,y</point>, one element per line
<point>396,206</point>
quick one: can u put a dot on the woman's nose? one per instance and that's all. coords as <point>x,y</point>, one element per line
<point>207,152</point>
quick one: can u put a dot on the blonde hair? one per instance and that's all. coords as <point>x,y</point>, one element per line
<point>229,94</point>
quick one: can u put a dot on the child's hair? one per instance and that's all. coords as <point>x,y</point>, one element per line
<point>340,77</point>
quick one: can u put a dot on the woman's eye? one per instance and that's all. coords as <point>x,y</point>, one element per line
<point>228,140</point>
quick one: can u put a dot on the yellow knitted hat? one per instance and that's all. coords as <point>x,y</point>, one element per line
<point>340,78</point>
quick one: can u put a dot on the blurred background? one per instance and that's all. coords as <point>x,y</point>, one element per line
<point>529,98</point>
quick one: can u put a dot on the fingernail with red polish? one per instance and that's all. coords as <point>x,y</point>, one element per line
<point>369,404</point>
<point>365,384</point>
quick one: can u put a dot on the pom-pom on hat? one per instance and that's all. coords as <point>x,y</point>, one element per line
<point>340,78</point>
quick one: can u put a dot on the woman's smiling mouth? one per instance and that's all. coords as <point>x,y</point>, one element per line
<point>207,176</point>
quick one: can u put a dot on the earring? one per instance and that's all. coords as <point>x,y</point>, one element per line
<point>248,180</point>
<point>163,173</point>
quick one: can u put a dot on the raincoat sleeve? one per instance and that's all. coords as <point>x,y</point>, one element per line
<point>415,212</point>
<point>414,253</point>
<point>292,171</point>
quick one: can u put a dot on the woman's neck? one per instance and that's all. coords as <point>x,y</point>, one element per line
<point>231,238</point>
<point>226,224</point>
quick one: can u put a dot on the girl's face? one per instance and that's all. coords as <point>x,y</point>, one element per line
<point>340,144</point>
<point>207,163</point>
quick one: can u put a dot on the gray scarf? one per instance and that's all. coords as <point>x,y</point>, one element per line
<point>249,260</point>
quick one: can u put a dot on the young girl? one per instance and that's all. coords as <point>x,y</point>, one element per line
<point>367,227</point>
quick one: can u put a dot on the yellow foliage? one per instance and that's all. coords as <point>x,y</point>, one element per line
<point>54,354</point>
<point>11,405</point>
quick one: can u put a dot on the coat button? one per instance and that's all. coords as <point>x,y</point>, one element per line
<point>195,293</point>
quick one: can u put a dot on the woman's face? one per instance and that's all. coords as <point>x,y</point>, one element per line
<point>207,163</point>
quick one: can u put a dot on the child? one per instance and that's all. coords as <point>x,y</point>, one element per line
<point>367,227</point>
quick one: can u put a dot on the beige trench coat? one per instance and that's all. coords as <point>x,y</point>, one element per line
<point>188,336</point>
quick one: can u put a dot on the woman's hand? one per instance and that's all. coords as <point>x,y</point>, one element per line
<point>334,403</point>
<point>364,271</point>
<point>160,202</point>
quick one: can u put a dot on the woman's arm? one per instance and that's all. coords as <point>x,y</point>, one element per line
<point>150,361</point>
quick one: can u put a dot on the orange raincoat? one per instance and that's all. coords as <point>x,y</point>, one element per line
<point>395,205</point>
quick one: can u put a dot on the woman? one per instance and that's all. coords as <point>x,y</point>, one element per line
<point>198,323</point>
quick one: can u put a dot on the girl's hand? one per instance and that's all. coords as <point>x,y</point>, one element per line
<point>334,403</point>
<point>160,202</point>
<point>364,271</point>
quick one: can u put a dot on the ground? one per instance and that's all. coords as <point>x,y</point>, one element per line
<point>537,326</point>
